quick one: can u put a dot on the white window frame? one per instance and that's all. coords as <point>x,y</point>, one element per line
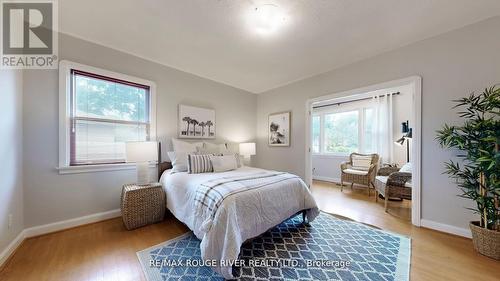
<point>361,126</point>
<point>65,68</point>
<point>320,134</point>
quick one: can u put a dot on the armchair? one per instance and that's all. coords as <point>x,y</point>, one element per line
<point>360,169</point>
<point>393,182</point>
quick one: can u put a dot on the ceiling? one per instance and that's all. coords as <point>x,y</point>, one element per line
<point>213,39</point>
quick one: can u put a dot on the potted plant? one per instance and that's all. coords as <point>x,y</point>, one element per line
<point>477,170</point>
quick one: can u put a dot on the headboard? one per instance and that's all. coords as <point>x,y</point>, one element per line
<point>162,166</point>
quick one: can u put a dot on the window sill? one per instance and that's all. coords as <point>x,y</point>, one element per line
<point>98,168</point>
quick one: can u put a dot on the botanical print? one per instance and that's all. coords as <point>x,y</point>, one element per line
<point>279,129</point>
<point>196,122</point>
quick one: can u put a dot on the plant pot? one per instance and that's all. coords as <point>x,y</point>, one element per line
<point>486,241</point>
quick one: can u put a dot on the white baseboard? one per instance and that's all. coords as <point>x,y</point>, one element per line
<point>322,178</point>
<point>53,227</point>
<point>464,232</point>
<point>61,225</point>
<point>7,252</point>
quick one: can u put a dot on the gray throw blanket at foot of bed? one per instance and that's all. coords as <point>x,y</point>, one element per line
<point>231,210</point>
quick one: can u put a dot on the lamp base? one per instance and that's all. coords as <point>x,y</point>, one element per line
<point>246,160</point>
<point>142,173</point>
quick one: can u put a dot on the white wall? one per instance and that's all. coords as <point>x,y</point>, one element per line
<point>452,65</point>
<point>51,197</point>
<point>11,182</point>
<point>327,167</point>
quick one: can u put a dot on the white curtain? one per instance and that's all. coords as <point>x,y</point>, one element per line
<point>382,127</point>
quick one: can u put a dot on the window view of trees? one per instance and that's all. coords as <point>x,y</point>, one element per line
<point>106,114</point>
<point>341,132</point>
<point>103,99</point>
<point>316,133</point>
<point>369,136</point>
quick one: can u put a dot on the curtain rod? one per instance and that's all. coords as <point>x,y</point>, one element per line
<point>339,103</point>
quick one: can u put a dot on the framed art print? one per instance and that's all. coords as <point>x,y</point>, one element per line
<point>196,122</point>
<point>279,129</point>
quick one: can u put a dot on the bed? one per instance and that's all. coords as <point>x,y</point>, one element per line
<point>267,199</point>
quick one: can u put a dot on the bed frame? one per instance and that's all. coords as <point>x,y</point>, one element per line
<point>163,166</point>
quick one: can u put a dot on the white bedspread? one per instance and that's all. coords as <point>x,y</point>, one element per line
<point>242,216</point>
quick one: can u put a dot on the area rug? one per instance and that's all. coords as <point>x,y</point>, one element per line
<point>328,249</point>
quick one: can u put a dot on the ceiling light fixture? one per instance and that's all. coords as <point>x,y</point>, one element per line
<point>268,18</point>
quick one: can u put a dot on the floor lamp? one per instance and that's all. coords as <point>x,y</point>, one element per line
<point>407,135</point>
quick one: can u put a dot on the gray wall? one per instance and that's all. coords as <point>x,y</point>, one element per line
<point>451,65</point>
<point>11,184</point>
<point>51,197</point>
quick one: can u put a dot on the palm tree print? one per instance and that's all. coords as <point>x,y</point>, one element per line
<point>194,122</point>
<point>187,119</point>
<point>202,125</point>
<point>209,124</point>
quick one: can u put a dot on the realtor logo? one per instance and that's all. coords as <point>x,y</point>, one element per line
<point>29,34</point>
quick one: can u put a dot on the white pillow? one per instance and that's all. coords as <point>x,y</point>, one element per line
<point>184,146</point>
<point>237,156</point>
<point>179,161</point>
<point>361,161</point>
<point>211,148</point>
<point>224,163</point>
<point>239,161</point>
<point>406,168</point>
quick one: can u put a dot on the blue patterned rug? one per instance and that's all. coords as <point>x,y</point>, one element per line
<point>328,249</point>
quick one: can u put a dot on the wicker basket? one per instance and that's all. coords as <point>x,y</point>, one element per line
<point>142,204</point>
<point>486,242</point>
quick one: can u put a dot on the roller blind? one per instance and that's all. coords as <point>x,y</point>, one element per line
<point>105,113</point>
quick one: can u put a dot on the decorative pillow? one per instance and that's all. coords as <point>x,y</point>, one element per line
<point>211,148</point>
<point>179,161</point>
<point>199,164</point>
<point>184,146</point>
<point>223,163</point>
<point>406,168</point>
<point>239,163</point>
<point>361,162</point>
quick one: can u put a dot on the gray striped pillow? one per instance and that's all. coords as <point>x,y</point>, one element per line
<point>199,164</point>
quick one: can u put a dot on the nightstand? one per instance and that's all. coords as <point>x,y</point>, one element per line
<point>142,204</point>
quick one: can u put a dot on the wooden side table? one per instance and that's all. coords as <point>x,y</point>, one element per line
<point>142,204</point>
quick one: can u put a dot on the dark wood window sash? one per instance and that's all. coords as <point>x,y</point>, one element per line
<point>73,118</point>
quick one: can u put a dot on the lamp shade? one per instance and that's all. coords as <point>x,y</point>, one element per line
<point>141,151</point>
<point>400,141</point>
<point>247,149</point>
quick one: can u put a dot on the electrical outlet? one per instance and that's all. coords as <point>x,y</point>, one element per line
<point>9,221</point>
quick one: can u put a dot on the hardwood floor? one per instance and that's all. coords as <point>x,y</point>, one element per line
<point>435,255</point>
<point>99,251</point>
<point>355,204</point>
<point>106,251</point>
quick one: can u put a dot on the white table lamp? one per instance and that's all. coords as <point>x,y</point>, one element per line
<point>247,149</point>
<point>142,152</point>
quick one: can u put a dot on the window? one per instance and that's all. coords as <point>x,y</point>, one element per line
<point>104,110</point>
<point>316,134</point>
<point>341,133</point>
<point>368,135</point>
